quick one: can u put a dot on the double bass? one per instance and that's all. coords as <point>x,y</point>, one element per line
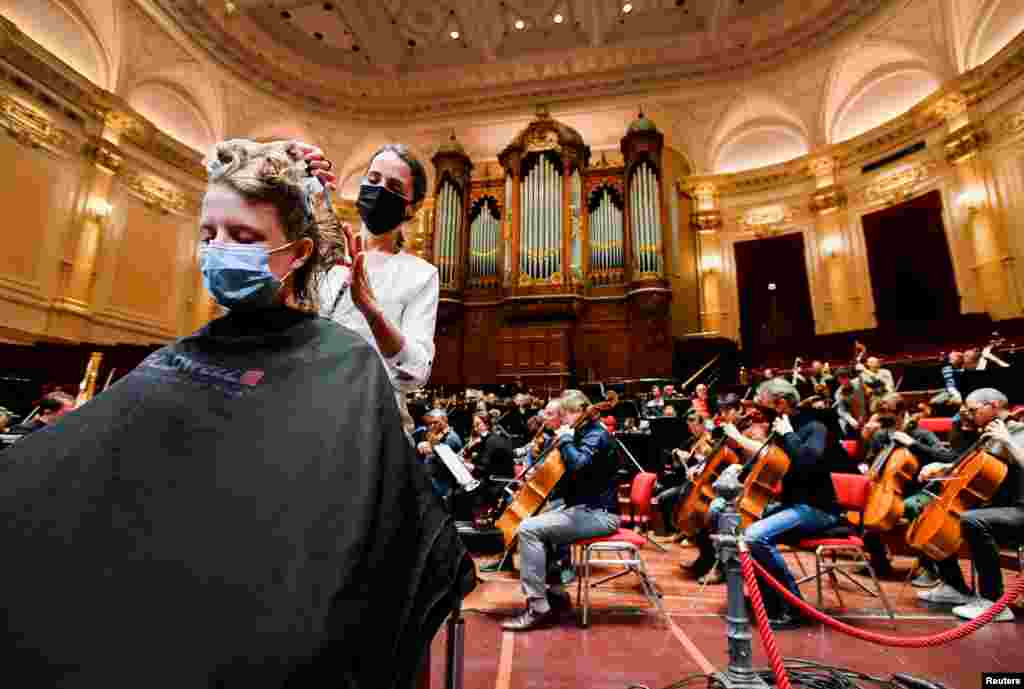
<point>541,478</point>
<point>971,482</point>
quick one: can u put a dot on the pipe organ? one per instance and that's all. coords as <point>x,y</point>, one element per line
<point>645,213</point>
<point>550,267</point>
<point>606,240</point>
<point>449,221</point>
<point>484,235</point>
<point>540,252</point>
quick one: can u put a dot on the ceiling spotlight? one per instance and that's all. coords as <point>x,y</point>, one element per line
<point>454,35</point>
<point>559,19</point>
<point>520,24</point>
<point>627,8</point>
<point>230,8</point>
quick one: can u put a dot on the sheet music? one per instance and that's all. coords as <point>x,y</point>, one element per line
<point>455,465</point>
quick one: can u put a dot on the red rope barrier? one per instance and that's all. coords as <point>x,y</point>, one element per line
<point>883,639</point>
<point>763,627</point>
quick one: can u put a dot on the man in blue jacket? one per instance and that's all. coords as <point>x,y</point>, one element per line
<point>588,489</point>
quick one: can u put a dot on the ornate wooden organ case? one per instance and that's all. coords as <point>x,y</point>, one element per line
<point>552,269</point>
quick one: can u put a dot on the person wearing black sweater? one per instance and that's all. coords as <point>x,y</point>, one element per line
<point>888,429</point>
<point>807,504</point>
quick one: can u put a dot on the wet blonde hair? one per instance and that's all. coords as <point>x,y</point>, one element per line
<point>276,173</point>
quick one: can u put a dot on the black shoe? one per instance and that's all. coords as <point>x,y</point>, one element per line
<point>497,566</point>
<point>528,619</point>
<point>559,602</point>
<point>787,621</point>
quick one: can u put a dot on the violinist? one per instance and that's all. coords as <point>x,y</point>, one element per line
<point>678,475</point>
<point>891,424</point>
<point>984,529</point>
<point>877,379</point>
<point>807,504</point>
<point>439,432</point>
<point>515,421</point>
<point>589,491</point>
<point>656,405</point>
<point>487,455</point>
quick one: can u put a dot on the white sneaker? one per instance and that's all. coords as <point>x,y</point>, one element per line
<point>979,605</point>
<point>944,594</point>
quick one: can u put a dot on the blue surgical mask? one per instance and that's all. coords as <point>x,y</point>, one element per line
<point>238,275</point>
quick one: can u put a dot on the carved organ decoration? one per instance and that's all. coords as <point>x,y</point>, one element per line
<point>484,237</point>
<point>607,248</point>
<point>544,165</point>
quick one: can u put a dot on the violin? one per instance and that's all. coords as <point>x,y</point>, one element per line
<point>971,482</point>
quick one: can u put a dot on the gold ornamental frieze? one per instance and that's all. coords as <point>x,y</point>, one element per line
<point>31,127</point>
<point>158,196</point>
<point>898,185</point>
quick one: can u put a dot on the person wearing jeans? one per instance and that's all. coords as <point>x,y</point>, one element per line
<point>807,504</point>
<point>984,529</point>
<point>589,492</point>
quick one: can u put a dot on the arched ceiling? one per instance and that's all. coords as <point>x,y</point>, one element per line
<point>732,84</point>
<point>388,58</point>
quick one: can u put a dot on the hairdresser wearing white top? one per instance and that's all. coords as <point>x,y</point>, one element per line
<point>384,294</point>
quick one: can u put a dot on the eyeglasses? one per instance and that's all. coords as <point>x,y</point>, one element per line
<point>392,184</point>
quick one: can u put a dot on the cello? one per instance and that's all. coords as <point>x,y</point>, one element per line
<point>692,513</point>
<point>971,482</point>
<point>765,470</point>
<point>541,478</point>
<point>889,475</point>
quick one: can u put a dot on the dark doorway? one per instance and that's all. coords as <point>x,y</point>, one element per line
<point>911,270</point>
<point>775,296</point>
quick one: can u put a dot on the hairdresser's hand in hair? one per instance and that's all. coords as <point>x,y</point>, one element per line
<point>362,293</point>
<point>320,166</point>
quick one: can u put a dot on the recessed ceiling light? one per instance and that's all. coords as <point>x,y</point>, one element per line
<point>454,35</point>
<point>285,14</point>
<point>520,24</point>
<point>627,8</point>
<point>318,36</point>
<point>559,19</point>
<point>328,6</point>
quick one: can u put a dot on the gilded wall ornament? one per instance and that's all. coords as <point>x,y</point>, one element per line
<point>104,155</point>
<point>966,142</point>
<point>707,221</point>
<point>898,185</point>
<point>828,199</point>
<point>158,196</point>
<point>31,127</point>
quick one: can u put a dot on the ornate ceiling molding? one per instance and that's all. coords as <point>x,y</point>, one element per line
<point>567,74</point>
<point>33,128</point>
<point>157,195</point>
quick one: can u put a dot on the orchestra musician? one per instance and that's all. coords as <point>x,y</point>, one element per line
<point>875,378</point>
<point>514,422</point>
<point>807,504</point>
<point>951,371</point>
<point>892,424</point>
<point>656,405</point>
<point>589,492</point>
<point>486,456</point>
<point>850,403</point>
<point>1001,521</point>
<point>53,406</point>
<point>699,401</point>
<point>679,472</point>
<point>439,432</point>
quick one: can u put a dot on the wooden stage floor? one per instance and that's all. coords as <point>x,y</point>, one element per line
<point>628,644</point>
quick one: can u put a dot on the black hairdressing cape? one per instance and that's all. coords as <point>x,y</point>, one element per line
<point>241,510</point>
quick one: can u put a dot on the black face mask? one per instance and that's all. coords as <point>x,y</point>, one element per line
<point>381,209</point>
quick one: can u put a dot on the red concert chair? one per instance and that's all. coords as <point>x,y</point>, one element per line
<point>940,426</point>
<point>852,448</point>
<point>851,494</point>
<point>622,542</point>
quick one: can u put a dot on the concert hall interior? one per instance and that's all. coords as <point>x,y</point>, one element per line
<point>795,227</point>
